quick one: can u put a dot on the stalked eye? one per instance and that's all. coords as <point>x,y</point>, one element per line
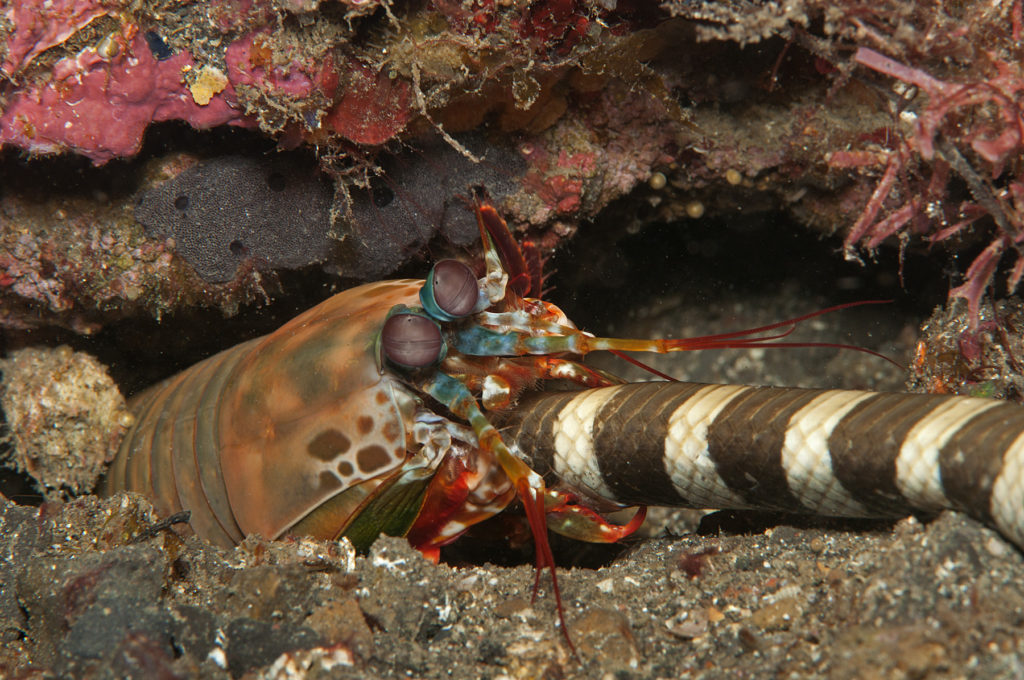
<point>412,340</point>
<point>450,292</point>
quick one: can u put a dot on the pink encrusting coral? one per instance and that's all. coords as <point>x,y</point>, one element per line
<point>42,24</point>
<point>101,108</point>
<point>372,109</point>
<point>99,101</point>
<point>247,66</point>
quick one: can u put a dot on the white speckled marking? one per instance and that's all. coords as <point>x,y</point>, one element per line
<point>806,459</point>
<point>917,466</point>
<point>574,441</point>
<point>687,461</point>
<point>1007,502</point>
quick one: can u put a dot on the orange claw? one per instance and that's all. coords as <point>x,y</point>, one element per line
<point>566,517</point>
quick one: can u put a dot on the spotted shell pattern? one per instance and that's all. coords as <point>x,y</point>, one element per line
<point>260,435</point>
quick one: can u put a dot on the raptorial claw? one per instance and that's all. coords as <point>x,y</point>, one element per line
<point>565,516</point>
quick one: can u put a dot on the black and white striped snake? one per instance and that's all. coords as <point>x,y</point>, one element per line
<point>841,453</point>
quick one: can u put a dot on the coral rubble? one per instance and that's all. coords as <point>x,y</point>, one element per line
<point>65,417</point>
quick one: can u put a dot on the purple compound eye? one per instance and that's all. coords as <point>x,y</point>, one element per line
<point>412,340</point>
<point>453,289</point>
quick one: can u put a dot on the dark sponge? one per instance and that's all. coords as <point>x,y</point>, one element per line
<point>421,193</point>
<point>226,210</point>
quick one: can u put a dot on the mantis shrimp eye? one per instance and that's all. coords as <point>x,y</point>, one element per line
<point>451,291</point>
<point>412,341</point>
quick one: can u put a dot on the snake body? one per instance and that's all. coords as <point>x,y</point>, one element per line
<point>842,453</point>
